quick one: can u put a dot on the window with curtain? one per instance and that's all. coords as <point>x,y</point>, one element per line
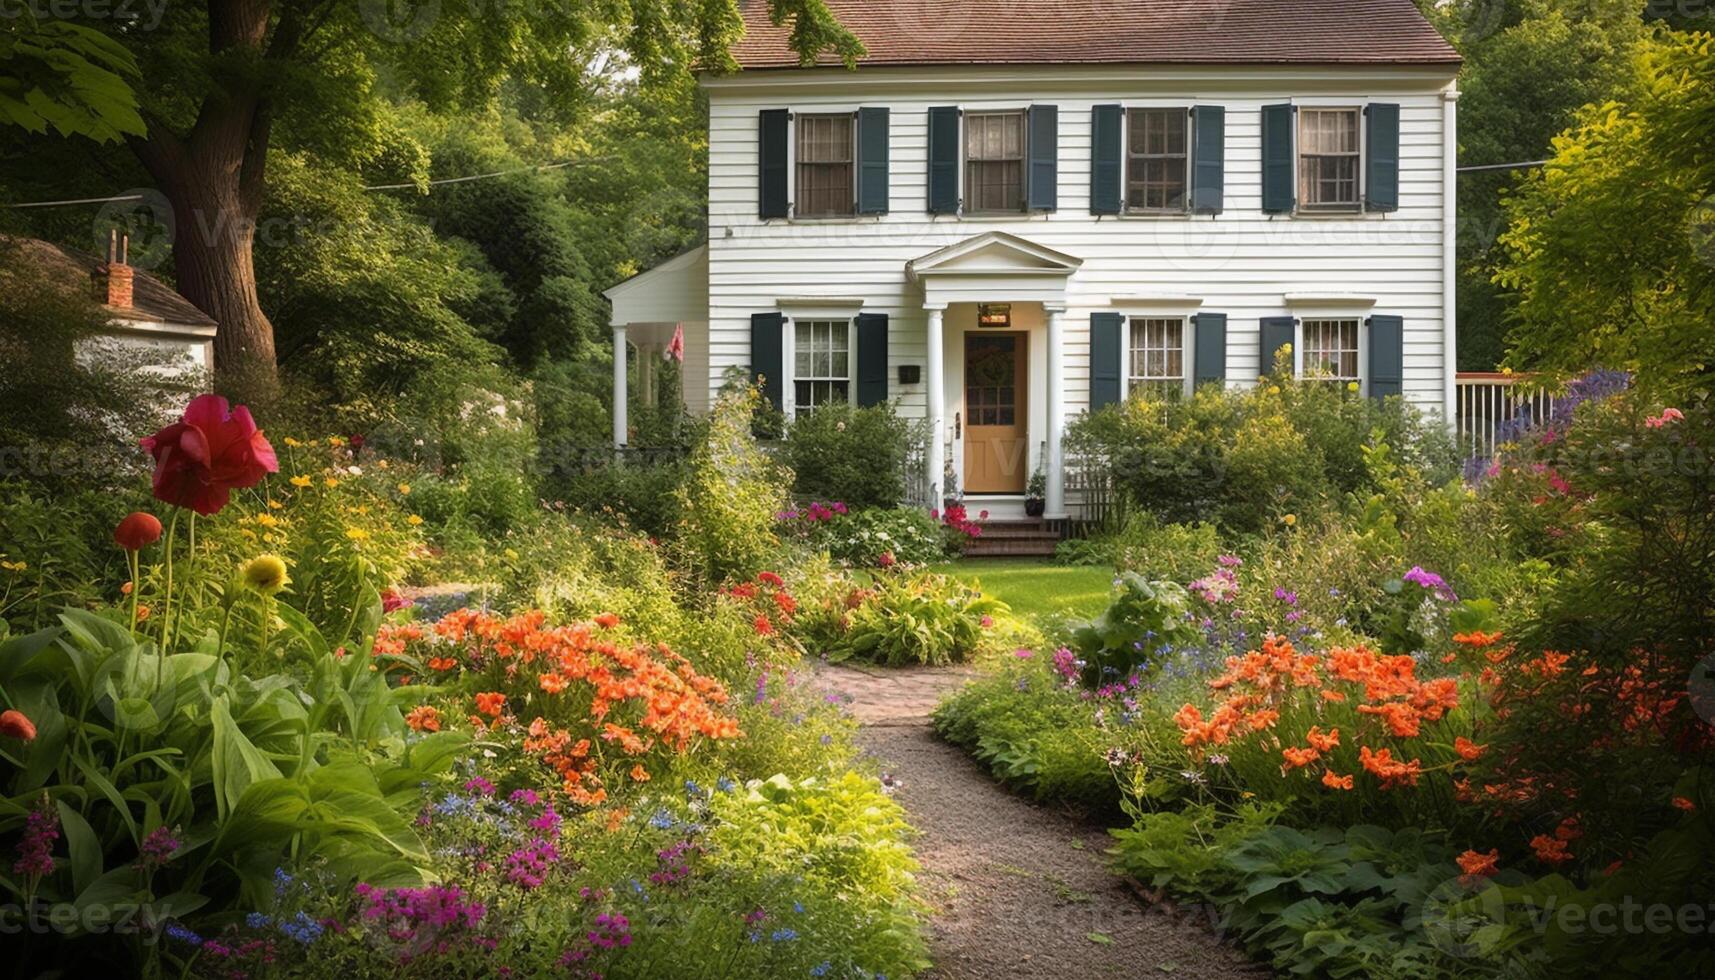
<point>1331,350</point>
<point>994,161</point>
<point>822,363</point>
<point>1156,366</point>
<point>825,158</point>
<point>1328,158</point>
<point>1156,159</point>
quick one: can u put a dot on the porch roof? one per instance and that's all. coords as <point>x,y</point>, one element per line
<point>674,292</point>
<point>993,267</point>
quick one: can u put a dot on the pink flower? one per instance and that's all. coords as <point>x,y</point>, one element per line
<point>211,451</point>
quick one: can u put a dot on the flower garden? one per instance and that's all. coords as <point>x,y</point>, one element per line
<point>307,706</point>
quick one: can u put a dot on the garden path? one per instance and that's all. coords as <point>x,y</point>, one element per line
<point>1017,890</point>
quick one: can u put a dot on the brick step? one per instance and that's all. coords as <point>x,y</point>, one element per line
<point>992,531</point>
<point>1011,547</point>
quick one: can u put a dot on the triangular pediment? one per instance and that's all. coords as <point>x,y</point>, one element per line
<point>993,253</point>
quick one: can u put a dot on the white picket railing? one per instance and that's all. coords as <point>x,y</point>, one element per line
<point>1484,402</point>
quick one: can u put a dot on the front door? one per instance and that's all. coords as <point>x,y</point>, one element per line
<point>996,451</point>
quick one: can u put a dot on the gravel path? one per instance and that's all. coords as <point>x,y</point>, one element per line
<point>1017,890</point>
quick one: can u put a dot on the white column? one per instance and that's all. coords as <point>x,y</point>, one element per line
<point>937,405</point>
<point>1054,465</point>
<point>1449,257</point>
<point>621,426</point>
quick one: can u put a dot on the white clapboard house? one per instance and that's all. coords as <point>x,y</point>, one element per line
<point>1012,212</point>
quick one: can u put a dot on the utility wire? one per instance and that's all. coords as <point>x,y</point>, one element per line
<point>1503,166</point>
<point>374,187</point>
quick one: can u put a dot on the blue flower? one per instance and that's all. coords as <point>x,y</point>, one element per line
<point>183,935</point>
<point>692,789</point>
<point>783,935</point>
<point>281,881</point>
<point>256,920</point>
<point>821,968</point>
<point>662,820</point>
<point>725,785</point>
<point>798,907</point>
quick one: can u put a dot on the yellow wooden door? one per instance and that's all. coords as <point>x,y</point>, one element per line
<point>996,447</point>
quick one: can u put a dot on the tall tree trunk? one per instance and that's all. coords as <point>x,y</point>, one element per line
<point>213,177</point>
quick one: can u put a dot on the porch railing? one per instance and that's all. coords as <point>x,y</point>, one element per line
<point>1093,499</point>
<point>1485,402</point>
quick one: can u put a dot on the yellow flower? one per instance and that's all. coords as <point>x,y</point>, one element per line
<point>293,442</point>
<point>14,566</point>
<point>330,483</point>
<point>1274,389</point>
<point>357,534</point>
<point>275,505</point>
<point>509,553</point>
<point>405,488</point>
<point>1351,386</point>
<point>381,463</point>
<point>267,520</point>
<point>265,575</point>
<point>300,481</point>
<point>413,520</point>
<point>1289,520</point>
<point>335,441</point>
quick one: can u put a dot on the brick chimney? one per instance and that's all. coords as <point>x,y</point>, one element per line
<point>117,276</point>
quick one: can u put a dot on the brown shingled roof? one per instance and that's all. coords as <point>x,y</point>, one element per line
<point>152,301</point>
<point>941,32</point>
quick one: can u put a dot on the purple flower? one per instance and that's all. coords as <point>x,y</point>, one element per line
<point>36,848</point>
<point>156,849</point>
<point>525,797</point>
<point>477,784</point>
<point>1431,581</point>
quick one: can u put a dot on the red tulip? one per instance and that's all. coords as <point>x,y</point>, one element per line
<point>207,454</point>
<point>137,531</point>
<point>13,724</point>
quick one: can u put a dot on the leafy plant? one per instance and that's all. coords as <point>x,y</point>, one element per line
<point>923,618</point>
<point>1144,620</point>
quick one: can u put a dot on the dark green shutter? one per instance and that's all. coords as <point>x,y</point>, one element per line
<point>1277,332</point>
<point>767,358</point>
<point>944,160</point>
<point>871,358</point>
<point>872,161</point>
<point>1387,356</point>
<point>1106,160</point>
<point>1277,142</point>
<point>775,127</point>
<point>1211,350</point>
<point>1208,158</point>
<point>1381,156</point>
<point>1106,345</point>
<point>1043,139</point>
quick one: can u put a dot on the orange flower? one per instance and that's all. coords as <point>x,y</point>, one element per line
<point>424,718</point>
<point>1476,639</point>
<point>142,613</point>
<point>1297,758</point>
<point>1334,781</point>
<point>1684,804</point>
<point>1391,771</point>
<point>1332,696</point>
<point>1478,865</point>
<point>1321,742</point>
<point>607,621</point>
<point>442,663</point>
<point>553,683</point>
<point>491,703</point>
<point>639,774</point>
<point>1467,749</point>
<point>15,724</point>
<point>763,626</point>
<point>1549,850</point>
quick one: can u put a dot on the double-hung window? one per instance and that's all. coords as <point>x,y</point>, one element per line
<point>1331,350</point>
<point>825,167</point>
<point>1157,160</point>
<point>1328,159</point>
<point>822,362</point>
<point>1157,365</point>
<point>994,161</point>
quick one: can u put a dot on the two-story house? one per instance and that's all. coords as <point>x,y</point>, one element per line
<point>1013,212</point>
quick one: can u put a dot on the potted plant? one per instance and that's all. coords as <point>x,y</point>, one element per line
<point>950,495</point>
<point>1036,494</point>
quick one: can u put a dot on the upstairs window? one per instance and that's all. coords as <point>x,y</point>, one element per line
<point>1157,362</point>
<point>825,155</point>
<point>994,161</point>
<point>1156,160</point>
<point>822,362</point>
<point>1331,350</point>
<point>1328,159</point>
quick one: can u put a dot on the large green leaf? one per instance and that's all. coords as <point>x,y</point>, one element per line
<point>82,845</point>
<point>237,761</point>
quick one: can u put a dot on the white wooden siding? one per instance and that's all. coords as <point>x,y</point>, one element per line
<point>1240,262</point>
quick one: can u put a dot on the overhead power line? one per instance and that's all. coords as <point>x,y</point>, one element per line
<point>540,168</point>
<point>1503,166</point>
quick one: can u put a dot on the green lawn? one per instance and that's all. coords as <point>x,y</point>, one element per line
<point>1035,588</point>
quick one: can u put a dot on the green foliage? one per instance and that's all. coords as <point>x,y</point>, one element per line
<point>1143,620</point>
<point>1173,552</point>
<point>839,452</point>
<point>918,618</point>
<point>66,76</point>
<point>1612,243</point>
<point>862,538</point>
<point>728,505</point>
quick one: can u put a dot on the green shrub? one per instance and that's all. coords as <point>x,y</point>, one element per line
<point>1173,552</point>
<point>1143,620</point>
<point>728,505</point>
<point>856,455</point>
<point>641,496</point>
<point>873,538</point>
<point>923,619</point>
